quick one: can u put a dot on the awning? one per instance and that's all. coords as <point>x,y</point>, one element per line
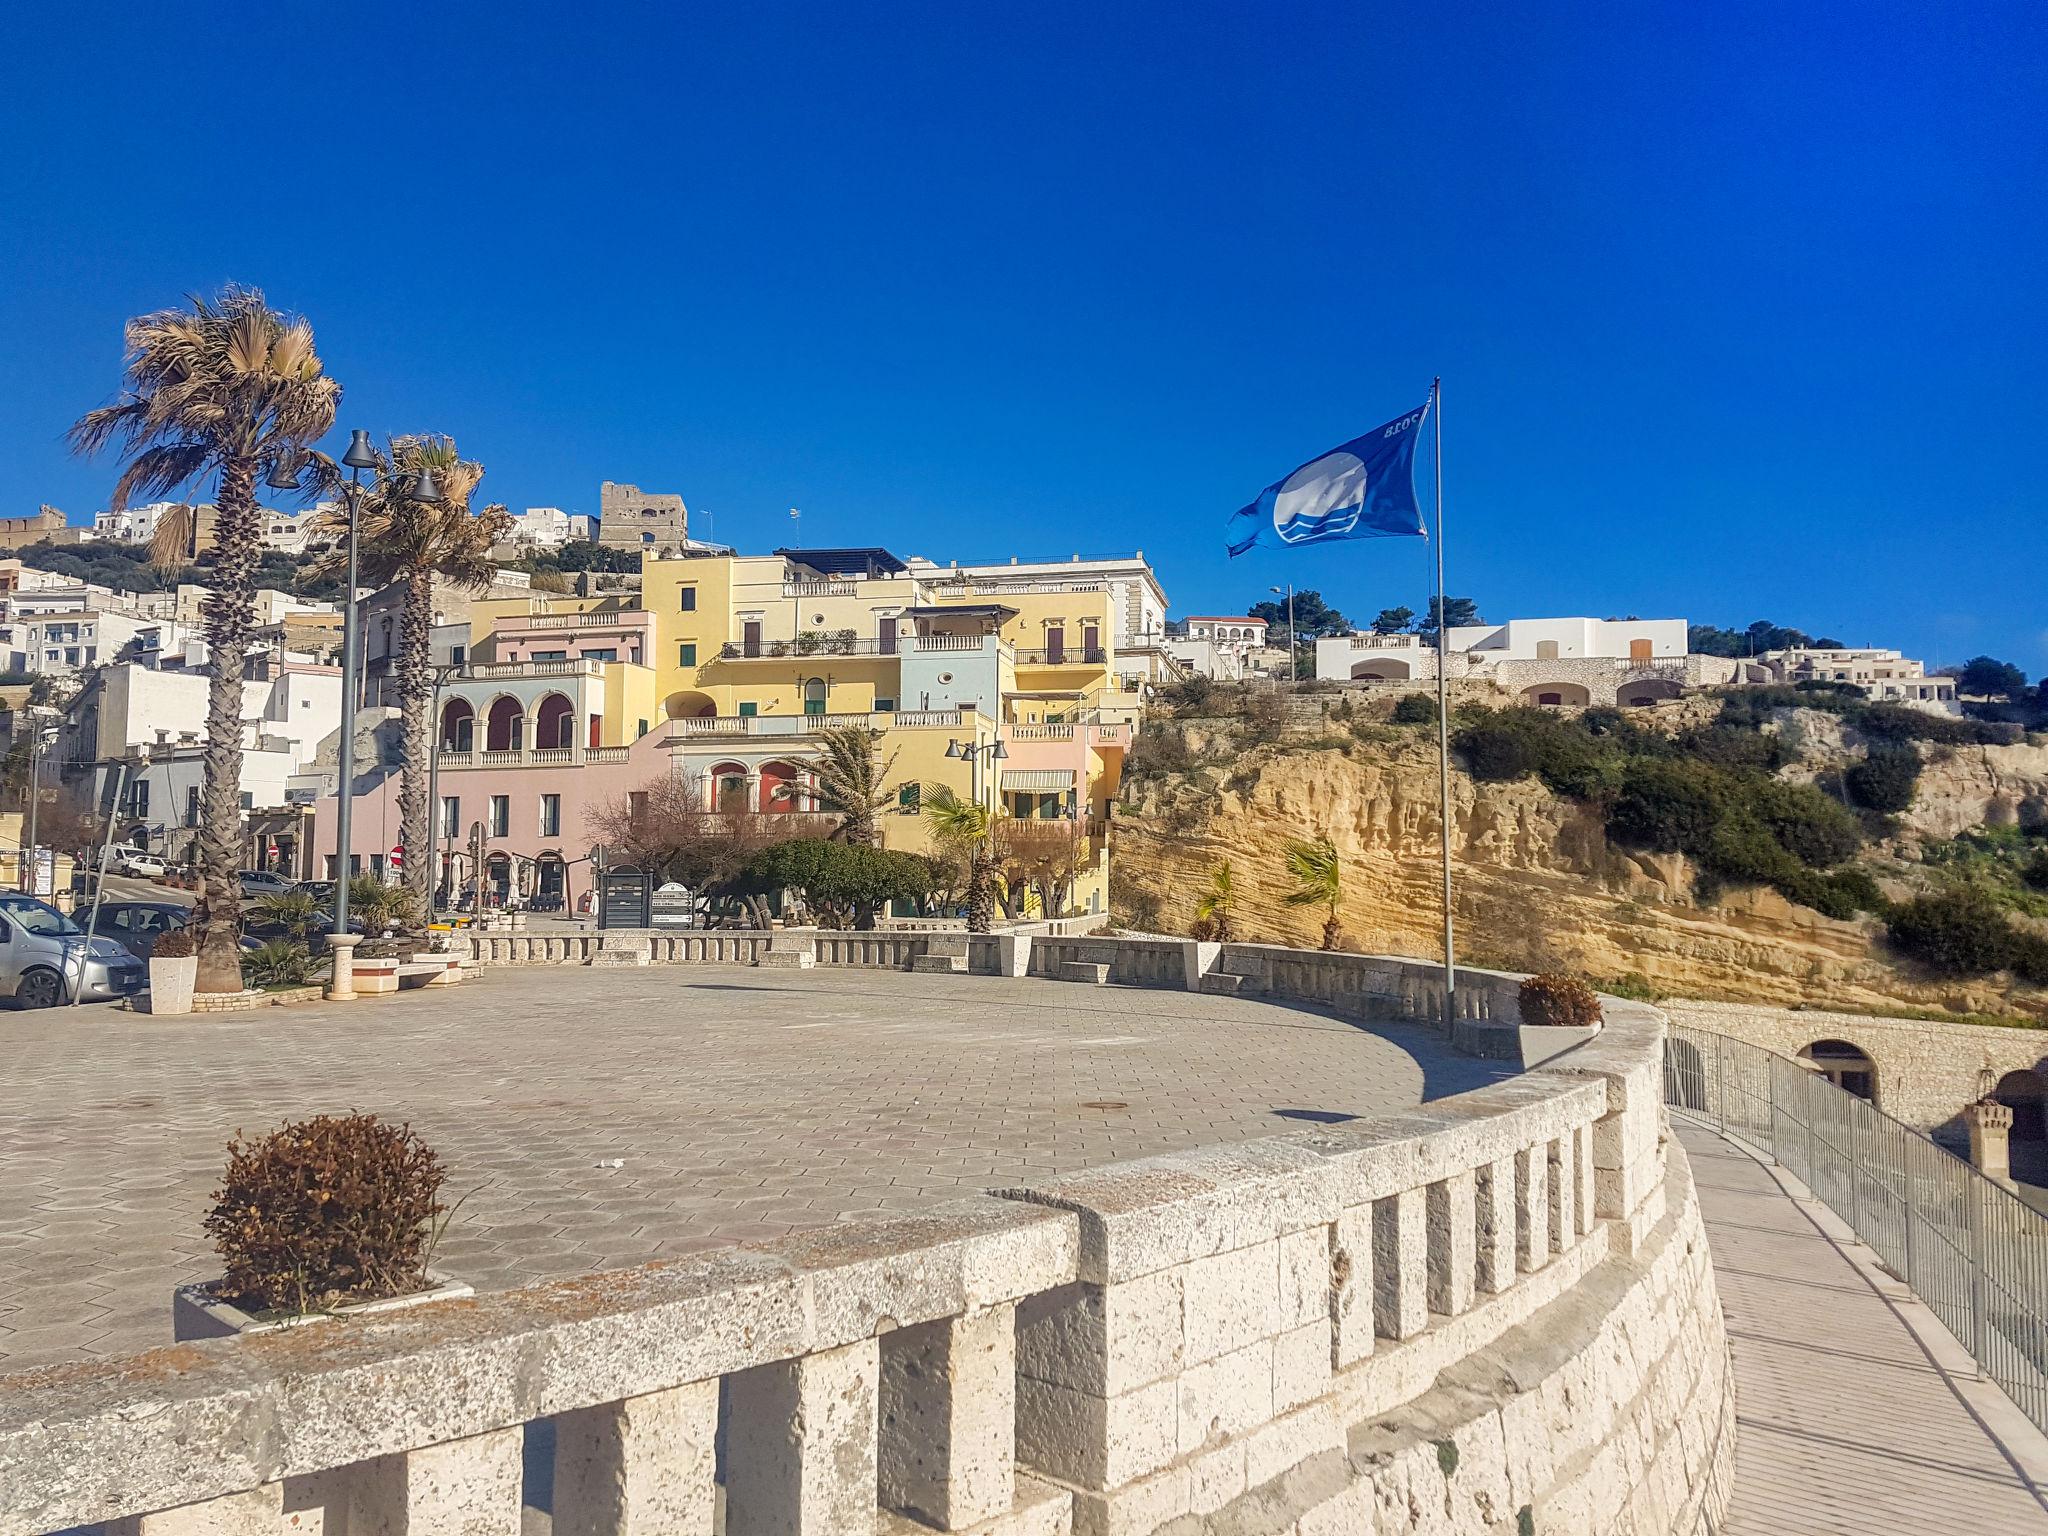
<point>1038,778</point>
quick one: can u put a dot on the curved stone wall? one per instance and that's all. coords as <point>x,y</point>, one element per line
<point>1490,1314</point>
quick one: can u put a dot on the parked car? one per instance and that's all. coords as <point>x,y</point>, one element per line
<point>263,882</point>
<point>135,862</point>
<point>136,925</point>
<point>44,958</point>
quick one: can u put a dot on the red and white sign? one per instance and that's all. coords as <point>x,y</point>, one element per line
<point>398,855</point>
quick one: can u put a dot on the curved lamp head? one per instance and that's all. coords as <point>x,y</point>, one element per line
<point>360,454</point>
<point>997,751</point>
<point>424,487</point>
<point>283,476</point>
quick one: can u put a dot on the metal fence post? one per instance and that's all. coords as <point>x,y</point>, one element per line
<point>1721,1082</point>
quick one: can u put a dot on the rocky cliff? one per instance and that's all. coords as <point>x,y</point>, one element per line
<point>1536,881</point>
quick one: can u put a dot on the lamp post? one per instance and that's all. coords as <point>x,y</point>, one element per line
<point>972,753</point>
<point>40,736</point>
<point>1291,664</point>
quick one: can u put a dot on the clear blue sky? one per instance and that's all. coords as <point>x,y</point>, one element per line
<point>1740,309</point>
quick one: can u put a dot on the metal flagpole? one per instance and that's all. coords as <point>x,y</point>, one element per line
<point>1443,716</point>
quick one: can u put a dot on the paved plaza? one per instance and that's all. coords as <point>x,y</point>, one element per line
<point>743,1104</point>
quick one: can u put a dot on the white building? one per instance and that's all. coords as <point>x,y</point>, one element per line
<point>1137,601</point>
<point>1225,646</point>
<point>296,533</point>
<point>132,525</point>
<point>1876,673</point>
<point>68,641</point>
<point>1545,661</point>
<point>548,528</point>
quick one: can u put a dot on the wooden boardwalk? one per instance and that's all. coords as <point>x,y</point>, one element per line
<point>1848,1421</point>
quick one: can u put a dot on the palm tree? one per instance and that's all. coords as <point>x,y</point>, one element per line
<point>958,824</point>
<point>1318,881</point>
<point>382,907</point>
<point>847,778</point>
<point>418,543</point>
<point>1213,909</point>
<point>219,391</point>
<point>296,912</point>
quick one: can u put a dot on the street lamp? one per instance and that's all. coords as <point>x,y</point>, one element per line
<point>1291,663</point>
<point>40,736</point>
<point>972,753</point>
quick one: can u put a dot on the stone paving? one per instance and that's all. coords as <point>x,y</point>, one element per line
<point>1845,1422</point>
<point>745,1104</point>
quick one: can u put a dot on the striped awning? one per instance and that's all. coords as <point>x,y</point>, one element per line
<point>1038,778</point>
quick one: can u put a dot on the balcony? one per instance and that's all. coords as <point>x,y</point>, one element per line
<point>1384,642</point>
<point>713,727</point>
<point>812,643</point>
<point>451,760</point>
<point>581,667</point>
<point>1064,656</point>
<point>820,589</point>
<point>630,618</point>
<point>953,642</point>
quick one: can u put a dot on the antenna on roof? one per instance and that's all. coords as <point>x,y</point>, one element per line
<point>796,524</point>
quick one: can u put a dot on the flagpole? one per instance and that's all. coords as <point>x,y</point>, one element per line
<point>1443,716</point>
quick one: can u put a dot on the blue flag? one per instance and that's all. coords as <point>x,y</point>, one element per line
<point>1364,489</point>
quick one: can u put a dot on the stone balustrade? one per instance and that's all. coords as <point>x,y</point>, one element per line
<point>1490,1313</point>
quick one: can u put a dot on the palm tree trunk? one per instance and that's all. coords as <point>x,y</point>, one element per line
<point>980,893</point>
<point>415,692</point>
<point>229,609</point>
<point>1331,932</point>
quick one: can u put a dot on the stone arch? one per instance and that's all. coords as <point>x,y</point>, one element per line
<point>688,705</point>
<point>554,723</point>
<point>1558,695</point>
<point>1646,690</point>
<point>504,725</point>
<point>1845,1064</point>
<point>1382,670</point>
<point>2025,1093</point>
<point>458,726</point>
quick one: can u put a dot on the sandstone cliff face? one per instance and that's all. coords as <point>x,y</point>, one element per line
<point>1536,881</point>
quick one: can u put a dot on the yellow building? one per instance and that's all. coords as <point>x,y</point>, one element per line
<point>741,660</point>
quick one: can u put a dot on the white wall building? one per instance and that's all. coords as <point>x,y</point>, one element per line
<point>1878,674</point>
<point>132,525</point>
<point>1137,601</point>
<point>65,642</point>
<point>548,527</point>
<point>1544,661</point>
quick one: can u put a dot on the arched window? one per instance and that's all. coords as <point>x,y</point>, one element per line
<point>1844,1065</point>
<point>814,696</point>
<point>555,723</point>
<point>505,725</point>
<point>778,788</point>
<point>458,726</point>
<point>729,788</point>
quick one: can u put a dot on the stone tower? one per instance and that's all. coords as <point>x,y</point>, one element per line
<point>630,518</point>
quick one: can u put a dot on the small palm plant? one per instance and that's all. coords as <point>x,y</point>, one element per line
<point>296,912</point>
<point>848,774</point>
<point>1318,876</point>
<point>382,907</point>
<point>961,825</point>
<point>1212,911</point>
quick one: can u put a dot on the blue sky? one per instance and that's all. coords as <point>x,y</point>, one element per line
<point>1739,308</point>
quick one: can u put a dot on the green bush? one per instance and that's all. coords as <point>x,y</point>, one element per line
<point>1669,805</point>
<point>1501,744</point>
<point>1814,829</point>
<point>2035,873</point>
<point>278,963</point>
<point>1414,709</point>
<point>1886,779</point>
<point>1959,932</point>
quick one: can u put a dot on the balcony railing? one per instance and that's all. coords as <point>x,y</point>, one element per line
<point>1064,656</point>
<point>804,725</point>
<point>812,643</point>
<point>952,642</point>
<point>580,667</point>
<point>820,589</point>
<point>1384,642</point>
<point>529,757</point>
<point>633,618</point>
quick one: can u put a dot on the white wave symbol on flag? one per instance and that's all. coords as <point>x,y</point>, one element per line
<point>1320,499</point>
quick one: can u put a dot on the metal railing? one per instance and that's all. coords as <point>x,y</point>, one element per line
<point>1066,656</point>
<point>1971,1249</point>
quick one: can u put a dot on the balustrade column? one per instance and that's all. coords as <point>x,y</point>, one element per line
<point>640,1467</point>
<point>1452,1219</point>
<point>949,1418</point>
<point>1532,1207</point>
<point>800,1457</point>
<point>1496,1225</point>
<point>472,1487</point>
<point>1564,1188</point>
<point>1400,1265</point>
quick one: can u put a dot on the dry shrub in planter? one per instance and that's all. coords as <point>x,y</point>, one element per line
<point>326,1211</point>
<point>1554,999</point>
<point>173,944</point>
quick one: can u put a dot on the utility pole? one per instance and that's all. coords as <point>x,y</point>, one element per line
<point>1293,665</point>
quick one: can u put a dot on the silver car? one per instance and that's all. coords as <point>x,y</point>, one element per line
<point>43,953</point>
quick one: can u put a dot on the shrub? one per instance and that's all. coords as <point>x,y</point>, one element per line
<point>2035,872</point>
<point>1508,743</point>
<point>1886,778</point>
<point>279,963</point>
<point>173,944</point>
<point>1157,751</point>
<point>1555,999</point>
<point>327,1210</point>
<point>1668,805</point>
<point>1958,932</point>
<point>1414,709</point>
<point>1814,829</point>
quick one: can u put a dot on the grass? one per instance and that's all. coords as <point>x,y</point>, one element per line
<point>1991,859</point>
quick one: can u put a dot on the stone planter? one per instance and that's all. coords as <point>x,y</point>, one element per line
<point>170,983</point>
<point>196,1313</point>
